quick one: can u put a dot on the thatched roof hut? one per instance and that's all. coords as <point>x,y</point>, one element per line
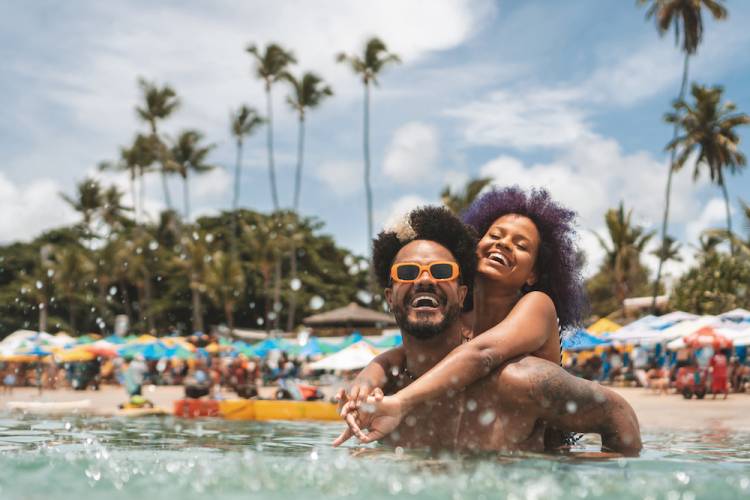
<point>345,320</point>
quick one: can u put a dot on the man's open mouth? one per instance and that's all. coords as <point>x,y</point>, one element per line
<point>424,302</point>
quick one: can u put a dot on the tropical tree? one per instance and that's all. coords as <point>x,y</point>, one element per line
<point>457,201</point>
<point>623,248</point>
<point>368,67</point>
<point>158,104</point>
<point>87,201</point>
<point>71,267</point>
<point>195,262</point>
<point>307,93</point>
<point>716,284</point>
<point>708,128</point>
<point>670,251</point>
<point>243,124</point>
<point>270,66</point>
<point>189,155</point>
<point>136,160</point>
<point>685,17</point>
<point>224,282</point>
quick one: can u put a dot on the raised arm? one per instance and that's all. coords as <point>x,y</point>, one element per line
<point>376,374</point>
<point>525,330</point>
<point>573,404</point>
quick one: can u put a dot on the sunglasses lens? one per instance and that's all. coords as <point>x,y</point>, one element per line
<point>441,271</point>
<point>407,272</point>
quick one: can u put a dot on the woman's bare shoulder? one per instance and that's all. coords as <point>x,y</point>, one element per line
<point>536,302</point>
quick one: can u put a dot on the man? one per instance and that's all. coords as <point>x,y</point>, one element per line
<point>511,407</point>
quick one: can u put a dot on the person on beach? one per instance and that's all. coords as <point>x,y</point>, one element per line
<point>527,289</point>
<point>719,367</point>
<point>426,267</point>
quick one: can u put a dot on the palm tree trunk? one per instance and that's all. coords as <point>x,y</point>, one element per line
<point>132,195</point>
<point>725,192</point>
<point>229,313</point>
<point>266,297</point>
<point>43,315</point>
<point>72,317</point>
<point>126,301</point>
<point>300,152</point>
<point>368,187</point>
<point>197,307</point>
<point>142,195</point>
<point>668,194</point>
<point>147,299</point>
<point>293,257</point>
<point>167,197</point>
<point>271,168</point>
<point>186,197</point>
<point>236,198</point>
<point>277,292</point>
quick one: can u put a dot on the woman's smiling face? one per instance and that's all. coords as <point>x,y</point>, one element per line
<point>508,250</point>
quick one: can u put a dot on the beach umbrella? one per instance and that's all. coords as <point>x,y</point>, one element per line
<point>581,340</point>
<point>387,342</point>
<point>102,348</point>
<point>146,339</point>
<point>354,357</point>
<point>708,337</point>
<point>603,325</point>
<point>75,355</point>
<point>738,315</point>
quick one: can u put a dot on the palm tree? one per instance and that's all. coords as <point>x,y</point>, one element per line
<point>369,66</point>
<point>670,251</point>
<point>307,93</point>
<point>686,18</point>
<point>159,103</point>
<point>624,248</point>
<point>71,267</point>
<point>136,160</point>
<point>243,124</point>
<point>87,201</point>
<point>260,241</point>
<point>188,155</point>
<point>708,127</point>
<point>457,202</point>
<point>270,66</point>
<point>224,283</point>
<point>195,263</point>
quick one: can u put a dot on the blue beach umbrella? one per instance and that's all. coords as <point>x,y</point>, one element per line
<point>580,340</point>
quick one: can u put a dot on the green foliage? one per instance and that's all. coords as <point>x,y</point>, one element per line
<point>87,287</point>
<point>457,202</point>
<point>685,17</point>
<point>718,283</point>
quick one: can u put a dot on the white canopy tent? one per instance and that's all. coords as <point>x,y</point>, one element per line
<point>354,357</point>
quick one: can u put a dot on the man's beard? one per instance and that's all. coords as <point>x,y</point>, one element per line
<point>424,330</point>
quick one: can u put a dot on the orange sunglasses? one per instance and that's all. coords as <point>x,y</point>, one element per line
<point>408,272</point>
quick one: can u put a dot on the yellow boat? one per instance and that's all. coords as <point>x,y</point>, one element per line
<point>257,409</point>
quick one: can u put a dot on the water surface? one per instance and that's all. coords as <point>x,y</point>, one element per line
<point>89,457</point>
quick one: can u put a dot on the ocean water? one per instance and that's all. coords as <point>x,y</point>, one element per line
<point>168,458</point>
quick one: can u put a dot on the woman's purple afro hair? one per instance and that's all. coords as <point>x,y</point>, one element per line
<point>558,262</point>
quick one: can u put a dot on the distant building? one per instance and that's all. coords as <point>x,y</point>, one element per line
<point>634,306</point>
<point>348,319</point>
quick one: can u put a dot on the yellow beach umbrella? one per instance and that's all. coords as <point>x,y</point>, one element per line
<point>604,325</point>
<point>74,355</point>
<point>145,339</point>
<point>19,358</point>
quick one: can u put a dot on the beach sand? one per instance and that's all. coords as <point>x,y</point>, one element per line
<point>655,412</point>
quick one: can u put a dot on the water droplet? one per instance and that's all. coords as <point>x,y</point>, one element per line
<point>260,321</point>
<point>364,296</point>
<point>487,417</point>
<point>295,284</point>
<point>39,285</point>
<point>112,290</point>
<point>209,238</point>
<point>314,454</point>
<point>471,405</point>
<point>153,245</point>
<point>571,407</point>
<point>316,302</point>
<point>348,261</point>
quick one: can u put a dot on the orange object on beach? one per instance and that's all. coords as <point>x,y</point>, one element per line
<point>708,337</point>
<point>193,408</point>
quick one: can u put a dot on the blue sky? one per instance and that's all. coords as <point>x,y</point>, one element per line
<point>563,95</point>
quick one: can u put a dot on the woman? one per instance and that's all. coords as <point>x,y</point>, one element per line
<point>527,289</point>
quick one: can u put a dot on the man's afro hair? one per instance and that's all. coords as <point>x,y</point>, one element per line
<point>432,223</point>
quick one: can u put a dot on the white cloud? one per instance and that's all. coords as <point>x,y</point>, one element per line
<point>216,183</point>
<point>412,154</point>
<point>30,209</point>
<point>524,118</point>
<point>344,178</point>
<point>713,216</point>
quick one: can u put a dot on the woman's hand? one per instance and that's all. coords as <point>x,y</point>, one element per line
<point>348,403</point>
<point>379,416</point>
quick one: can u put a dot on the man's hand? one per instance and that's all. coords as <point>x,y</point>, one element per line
<point>348,404</point>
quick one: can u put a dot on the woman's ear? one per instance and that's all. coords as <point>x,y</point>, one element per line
<point>531,280</point>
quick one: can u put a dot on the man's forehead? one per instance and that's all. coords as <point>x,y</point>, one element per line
<point>423,251</point>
